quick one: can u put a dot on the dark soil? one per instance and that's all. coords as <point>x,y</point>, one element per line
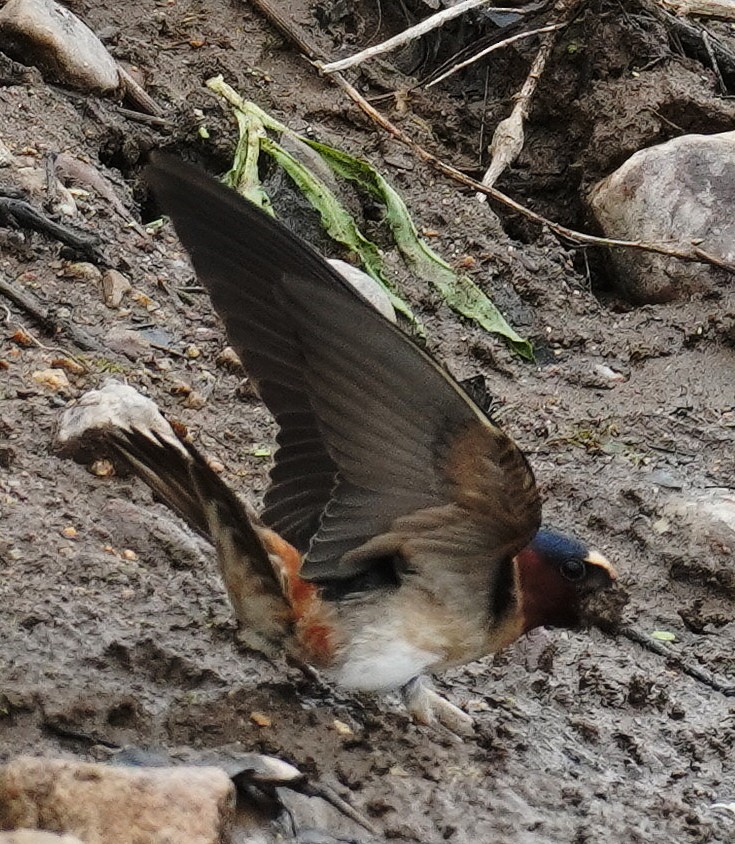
<point>115,626</point>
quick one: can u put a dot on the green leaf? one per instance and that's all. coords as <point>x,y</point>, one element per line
<point>663,636</point>
<point>337,221</point>
<point>244,176</point>
<point>458,291</point>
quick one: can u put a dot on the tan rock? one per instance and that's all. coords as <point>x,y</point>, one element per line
<point>83,271</point>
<point>84,423</point>
<point>105,804</point>
<point>114,288</point>
<point>52,379</point>
<point>228,359</point>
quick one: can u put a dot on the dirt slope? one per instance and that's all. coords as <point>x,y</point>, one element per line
<point>114,625</point>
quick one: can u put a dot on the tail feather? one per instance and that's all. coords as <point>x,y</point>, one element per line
<point>251,570</point>
<point>164,464</point>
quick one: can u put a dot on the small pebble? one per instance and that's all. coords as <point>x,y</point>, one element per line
<point>180,388</point>
<point>145,301</point>
<point>661,477</point>
<point>81,270</point>
<point>102,468</point>
<point>23,338</point>
<point>260,719</point>
<point>195,400</point>
<point>52,379</point>
<point>114,288</point>
<point>228,359</point>
<point>69,365</point>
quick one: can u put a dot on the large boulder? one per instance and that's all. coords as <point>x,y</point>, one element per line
<point>105,804</point>
<point>680,192</point>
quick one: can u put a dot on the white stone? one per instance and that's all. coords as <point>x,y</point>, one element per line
<point>366,286</point>
<point>36,836</point>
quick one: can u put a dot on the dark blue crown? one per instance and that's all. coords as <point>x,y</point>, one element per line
<point>553,545</point>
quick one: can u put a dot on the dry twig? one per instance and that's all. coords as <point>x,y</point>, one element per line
<point>28,303</point>
<point>529,33</point>
<point>691,253</point>
<point>410,34</point>
<point>18,212</point>
<point>137,95</point>
<point>694,37</point>
<point>699,674</point>
<point>509,136</point>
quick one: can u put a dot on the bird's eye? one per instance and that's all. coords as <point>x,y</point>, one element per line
<point>573,569</point>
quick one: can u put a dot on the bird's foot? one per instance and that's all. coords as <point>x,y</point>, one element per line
<point>426,706</point>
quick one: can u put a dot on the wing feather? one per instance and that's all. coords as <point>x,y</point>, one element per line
<point>374,436</point>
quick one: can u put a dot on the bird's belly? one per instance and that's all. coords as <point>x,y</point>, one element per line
<point>381,657</point>
<point>387,642</point>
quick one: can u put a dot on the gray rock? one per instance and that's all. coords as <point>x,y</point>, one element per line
<point>104,803</point>
<point>679,192</point>
<point>43,34</point>
<point>668,480</point>
<point>134,345</point>
<point>709,514</point>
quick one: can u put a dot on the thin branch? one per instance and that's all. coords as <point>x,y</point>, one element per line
<point>139,117</point>
<point>31,305</point>
<point>531,9</point>
<point>699,674</point>
<point>509,135</point>
<point>690,254</point>
<point>713,61</point>
<point>19,212</point>
<point>691,35</point>
<point>328,794</point>
<point>293,33</point>
<point>410,34</point>
<point>137,94</point>
<point>491,49</point>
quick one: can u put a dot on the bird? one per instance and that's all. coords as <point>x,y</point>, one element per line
<point>401,533</point>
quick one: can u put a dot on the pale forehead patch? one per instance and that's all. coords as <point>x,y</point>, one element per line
<point>596,559</point>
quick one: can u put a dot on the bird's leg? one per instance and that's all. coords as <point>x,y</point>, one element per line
<point>428,707</point>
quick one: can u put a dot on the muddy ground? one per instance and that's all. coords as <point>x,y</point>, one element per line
<point>114,626</point>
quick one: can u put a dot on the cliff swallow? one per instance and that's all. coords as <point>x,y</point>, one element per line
<point>400,533</point>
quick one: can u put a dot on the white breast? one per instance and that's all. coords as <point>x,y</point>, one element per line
<point>380,659</point>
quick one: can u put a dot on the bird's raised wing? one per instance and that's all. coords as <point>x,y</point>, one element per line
<point>372,430</point>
